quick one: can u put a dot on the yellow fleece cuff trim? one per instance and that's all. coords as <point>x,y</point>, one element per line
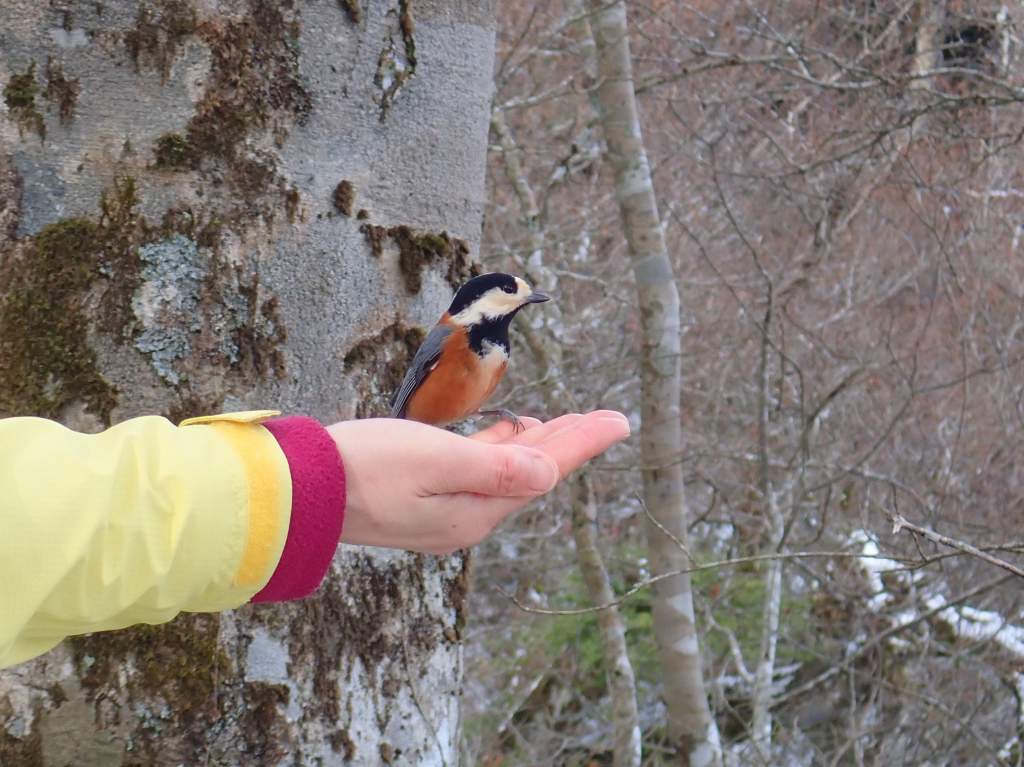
<point>243,416</point>
<point>269,481</point>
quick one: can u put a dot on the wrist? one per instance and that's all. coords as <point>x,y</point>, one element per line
<point>317,510</point>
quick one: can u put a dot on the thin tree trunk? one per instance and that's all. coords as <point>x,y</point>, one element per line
<point>691,726</point>
<point>930,14</point>
<point>627,746</point>
<point>195,205</point>
<point>761,699</point>
<point>621,682</point>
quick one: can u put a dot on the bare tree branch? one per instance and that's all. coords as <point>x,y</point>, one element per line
<point>900,523</point>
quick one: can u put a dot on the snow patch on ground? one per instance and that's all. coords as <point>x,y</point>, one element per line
<point>967,623</point>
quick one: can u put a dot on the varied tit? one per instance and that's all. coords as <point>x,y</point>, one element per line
<point>464,357</point>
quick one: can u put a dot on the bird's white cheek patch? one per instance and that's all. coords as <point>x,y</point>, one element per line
<point>493,304</point>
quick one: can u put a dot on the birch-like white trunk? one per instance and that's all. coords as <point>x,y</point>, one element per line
<point>619,672</point>
<point>627,737</point>
<point>691,726</point>
<point>761,695</point>
<point>201,146</point>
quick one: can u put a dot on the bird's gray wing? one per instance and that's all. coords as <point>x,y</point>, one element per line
<point>426,357</point>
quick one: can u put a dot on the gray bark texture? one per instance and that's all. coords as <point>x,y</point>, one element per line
<point>232,204</point>
<point>690,726</point>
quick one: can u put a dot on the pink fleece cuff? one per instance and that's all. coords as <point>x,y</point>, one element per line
<point>318,508</point>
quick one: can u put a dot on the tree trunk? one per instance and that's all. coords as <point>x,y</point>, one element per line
<point>627,748</point>
<point>691,726</point>
<point>761,694</point>
<point>232,205</point>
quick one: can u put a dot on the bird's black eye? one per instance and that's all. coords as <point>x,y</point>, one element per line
<point>509,288</point>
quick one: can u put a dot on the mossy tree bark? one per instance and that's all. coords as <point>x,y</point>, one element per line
<point>233,205</point>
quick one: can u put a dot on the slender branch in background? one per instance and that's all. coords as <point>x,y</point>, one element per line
<point>653,520</point>
<point>899,524</point>
<point>734,644</point>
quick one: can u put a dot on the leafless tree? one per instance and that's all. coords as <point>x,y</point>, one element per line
<point>842,208</point>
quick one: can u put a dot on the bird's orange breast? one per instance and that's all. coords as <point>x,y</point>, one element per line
<point>458,385</point>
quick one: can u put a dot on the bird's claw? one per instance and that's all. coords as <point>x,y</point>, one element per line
<point>517,423</point>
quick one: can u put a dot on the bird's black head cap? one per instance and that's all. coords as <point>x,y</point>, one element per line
<point>477,286</point>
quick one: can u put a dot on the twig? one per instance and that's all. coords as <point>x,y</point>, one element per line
<point>900,523</point>
<point>664,530</point>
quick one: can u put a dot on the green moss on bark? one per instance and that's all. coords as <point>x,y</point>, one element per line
<point>382,360</point>
<point>45,358</point>
<point>173,152</point>
<point>121,230</point>
<point>344,197</point>
<point>264,723</point>
<point>408,27</point>
<point>375,237</point>
<point>180,661</point>
<point>396,63</point>
<point>20,97</point>
<point>61,91</point>
<point>292,203</point>
<point>456,596</point>
<point>254,85</point>
<point>74,274</point>
<point>162,288</point>
<point>352,9</point>
<point>254,79</point>
<point>26,751</point>
<point>160,29</point>
<point>260,339</point>
<point>20,91</point>
<point>418,251</point>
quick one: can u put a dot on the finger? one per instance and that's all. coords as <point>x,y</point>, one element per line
<point>545,431</point>
<point>470,466</point>
<point>591,435</point>
<point>535,436</point>
<point>502,430</point>
<point>585,436</point>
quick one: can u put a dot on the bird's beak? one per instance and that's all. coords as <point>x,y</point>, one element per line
<point>536,297</point>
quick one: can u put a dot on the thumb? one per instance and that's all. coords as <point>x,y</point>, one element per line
<point>495,470</point>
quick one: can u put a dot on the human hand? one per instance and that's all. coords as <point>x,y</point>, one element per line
<point>416,487</point>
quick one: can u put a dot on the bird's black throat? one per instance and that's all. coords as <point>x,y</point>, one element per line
<point>490,331</point>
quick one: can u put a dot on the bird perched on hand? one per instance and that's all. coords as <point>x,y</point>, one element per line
<point>464,357</point>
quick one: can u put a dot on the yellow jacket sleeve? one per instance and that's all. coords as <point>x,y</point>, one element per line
<point>135,524</point>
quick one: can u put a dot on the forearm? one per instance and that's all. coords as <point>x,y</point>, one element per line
<point>148,519</point>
